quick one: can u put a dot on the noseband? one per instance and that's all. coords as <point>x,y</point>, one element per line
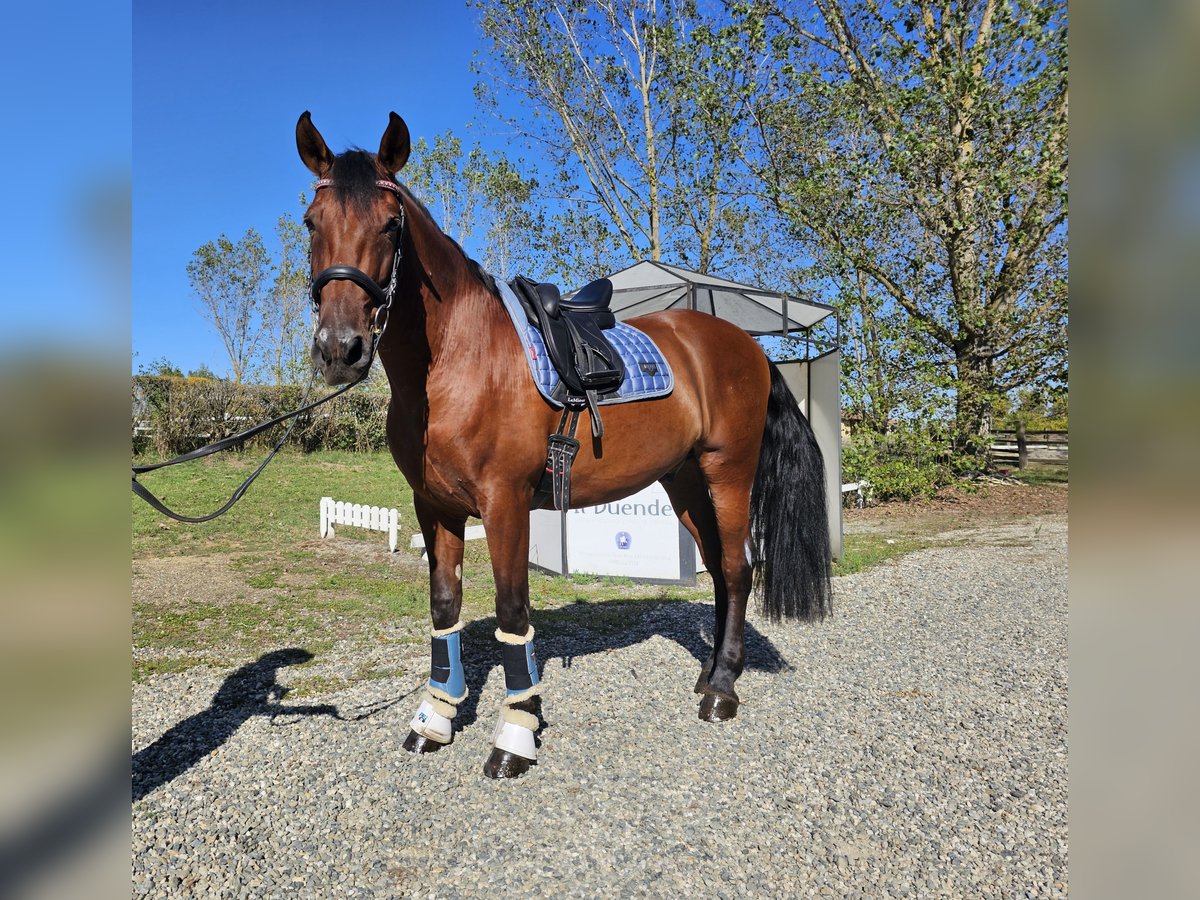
<point>380,296</point>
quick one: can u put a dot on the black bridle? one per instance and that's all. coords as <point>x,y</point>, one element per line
<point>381,297</point>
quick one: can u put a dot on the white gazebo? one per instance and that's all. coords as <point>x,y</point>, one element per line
<point>814,379</point>
<point>650,286</point>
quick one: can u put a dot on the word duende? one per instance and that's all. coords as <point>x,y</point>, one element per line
<point>655,507</point>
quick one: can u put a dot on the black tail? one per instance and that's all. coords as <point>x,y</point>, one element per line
<point>789,520</point>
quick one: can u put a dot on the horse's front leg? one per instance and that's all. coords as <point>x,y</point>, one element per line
<point>514,748</point>
<point>432,727</point>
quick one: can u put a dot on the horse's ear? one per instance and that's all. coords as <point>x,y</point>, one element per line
<point>394,146</point>
<point>312,146</point>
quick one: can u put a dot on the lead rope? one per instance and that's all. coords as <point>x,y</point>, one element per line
<point>379,326</point>
<point>227,443</point>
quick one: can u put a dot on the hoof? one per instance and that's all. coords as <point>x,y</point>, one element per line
<point>416,743</point>
<point>717,709</point>
<point>502,764</point>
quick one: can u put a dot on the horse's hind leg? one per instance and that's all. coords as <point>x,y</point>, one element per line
<point>729,474</point>
<point>689,498</point>
<point>432,727</point>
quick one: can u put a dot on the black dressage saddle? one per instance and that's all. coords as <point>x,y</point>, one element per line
<point>588,365</point>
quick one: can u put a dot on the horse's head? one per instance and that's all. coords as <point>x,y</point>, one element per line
<point>356,223</point>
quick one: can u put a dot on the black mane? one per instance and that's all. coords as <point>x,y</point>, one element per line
<point>354,175</point>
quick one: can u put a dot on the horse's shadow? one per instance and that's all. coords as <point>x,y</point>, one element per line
<point>563,635</point>
<point>251,690</point>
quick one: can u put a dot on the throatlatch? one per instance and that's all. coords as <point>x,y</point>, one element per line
<point>447,687</point>
<point>514,732</point>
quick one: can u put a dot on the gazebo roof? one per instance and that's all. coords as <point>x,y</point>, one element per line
<point>649,286</point>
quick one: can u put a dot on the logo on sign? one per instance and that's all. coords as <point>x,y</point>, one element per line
<point>624,539</point>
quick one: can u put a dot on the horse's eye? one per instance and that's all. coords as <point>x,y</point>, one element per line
<point>392,224</point>
<point>308,223</point>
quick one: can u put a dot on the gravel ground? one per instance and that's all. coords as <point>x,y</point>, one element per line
<point>914,746</point>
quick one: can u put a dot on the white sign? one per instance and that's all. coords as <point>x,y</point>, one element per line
<point>637,537</point>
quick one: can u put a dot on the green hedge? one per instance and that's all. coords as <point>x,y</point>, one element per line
<point>900,465</point>
<point>174,415</point>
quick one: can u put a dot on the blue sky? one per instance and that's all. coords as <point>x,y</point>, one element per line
<point>217,89</point>
<point>65,80</point>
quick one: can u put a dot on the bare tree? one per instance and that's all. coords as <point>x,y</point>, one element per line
<point>630,100</point>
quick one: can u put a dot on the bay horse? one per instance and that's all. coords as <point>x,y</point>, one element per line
<point>468,429</point>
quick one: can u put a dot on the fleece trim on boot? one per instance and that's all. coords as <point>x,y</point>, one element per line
<point>505,638</point>
<point>442,632</point>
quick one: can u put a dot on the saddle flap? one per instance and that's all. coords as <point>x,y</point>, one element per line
<point>597,362</point>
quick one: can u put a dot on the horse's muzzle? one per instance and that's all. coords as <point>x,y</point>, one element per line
<point>340,354</point>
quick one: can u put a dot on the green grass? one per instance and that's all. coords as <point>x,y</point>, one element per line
<point>1040,475</point>
<point>287,587</point>
<point>862,551</point>
<point>290,588</point>
<point>278,512</point>
<point>167,665</point>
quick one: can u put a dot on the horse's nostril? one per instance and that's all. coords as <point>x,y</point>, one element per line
<point>354,350</point>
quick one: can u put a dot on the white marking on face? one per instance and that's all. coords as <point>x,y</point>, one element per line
<point>458,571</point>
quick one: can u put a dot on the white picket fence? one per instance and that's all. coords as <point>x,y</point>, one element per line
<point>355,515</point>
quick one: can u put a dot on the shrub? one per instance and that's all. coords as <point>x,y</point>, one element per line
<point>173,415</point>
<point>903,464</point>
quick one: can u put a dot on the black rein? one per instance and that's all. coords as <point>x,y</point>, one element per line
<point>383,301</point>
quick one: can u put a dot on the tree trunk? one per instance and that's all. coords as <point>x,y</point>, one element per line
<point>972,419</point>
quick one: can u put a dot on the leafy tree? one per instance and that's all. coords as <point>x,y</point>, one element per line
<point>202,371</point>
<point>888,365</point>
<point>1035,408</point>
<point>161,366</point>
<point>450,183</point>
<point>464,187</point>
<point>923,148</point>
<point>514,221</point>
<point>232,281</point>
<point>286,327</point>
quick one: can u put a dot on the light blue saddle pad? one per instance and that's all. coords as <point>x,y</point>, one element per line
<point>647,374</point>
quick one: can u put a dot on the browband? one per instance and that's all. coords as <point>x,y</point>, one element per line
<point>386,185</point>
